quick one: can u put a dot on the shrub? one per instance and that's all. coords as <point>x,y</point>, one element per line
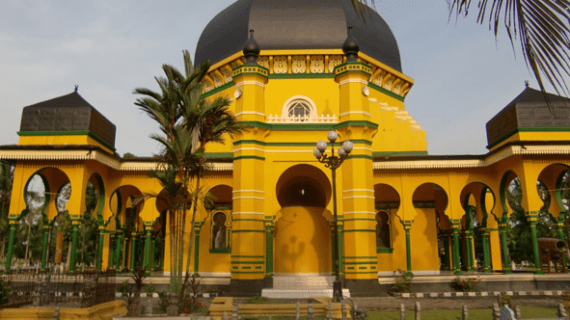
<point>163,304</point>
<point>5,292</point>
<point>149,288</point>
<point>464,284</point>
<point>403,282</point>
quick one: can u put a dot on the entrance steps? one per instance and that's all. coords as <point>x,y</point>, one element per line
<point>301,286</point>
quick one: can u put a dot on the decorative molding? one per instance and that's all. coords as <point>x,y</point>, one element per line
<point>358,190</point>
<point>248,197</point>
<point>353,81</point>
<point>248,149</point>
<point>254,191</point>
<point>358,197</point>
<point>257,83</point>
<point>255,113</point>
<point>248,212</point>
<point>299,64</point>
<point>308,119</point>
<point>360,212</point>
<point>355,112</point>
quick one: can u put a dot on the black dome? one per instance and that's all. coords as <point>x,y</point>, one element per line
<point>296,24</point>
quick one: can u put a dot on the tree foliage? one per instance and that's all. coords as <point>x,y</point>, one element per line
<point>520,239</point>
<point>187,123</point>
<point>541,28</point>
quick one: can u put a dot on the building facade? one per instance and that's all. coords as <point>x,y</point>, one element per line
<point>398,207</point>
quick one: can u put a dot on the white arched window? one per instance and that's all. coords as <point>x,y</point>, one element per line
<point>299,107</point>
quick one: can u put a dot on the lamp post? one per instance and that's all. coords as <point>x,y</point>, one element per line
<point>333,162</point>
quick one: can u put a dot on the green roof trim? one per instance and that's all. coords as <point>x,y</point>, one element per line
<point>67,133</point>
<point>386,92</point>
<point>384,250</point>
<point>249,157</point>
<point>281,144</point>
<point>309,126</point>
<point>359,156</point>
<point>218,155</point>
<point>527,129</point>
<point>218,89</point>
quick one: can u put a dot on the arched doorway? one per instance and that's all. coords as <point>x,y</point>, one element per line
<point>302,232</point>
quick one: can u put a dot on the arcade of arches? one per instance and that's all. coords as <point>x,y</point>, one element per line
<point>272,213</point>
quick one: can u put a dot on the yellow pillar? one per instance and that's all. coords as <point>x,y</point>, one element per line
<point>248,218</point>
<point>358,237</point>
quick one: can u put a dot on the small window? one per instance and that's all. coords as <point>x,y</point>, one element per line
<point>219,231</point>
<point>299,109</point>
<point>383,230</point>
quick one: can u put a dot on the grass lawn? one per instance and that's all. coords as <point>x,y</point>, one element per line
<point>475,314</point>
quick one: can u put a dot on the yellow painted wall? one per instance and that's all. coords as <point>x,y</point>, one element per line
<point>302,241</point>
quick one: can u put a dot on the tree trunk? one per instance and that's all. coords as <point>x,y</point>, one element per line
<point>68,257</point>
<point>28,239</point>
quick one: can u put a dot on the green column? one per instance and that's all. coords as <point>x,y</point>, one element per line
<point>152,250</point>
<point>102,232</point>
<point>8,262</point>
<point>486,251</point>
<point>407,227</point>
<point>560,229</point>
<point>532,216</point>
<point>118,254</point>
<point>469,237</point>
<point>469,249</point>
<point>504,248</point>
<point>74,235</point>
<point>268,250</point>
<point>147,244</point>
<point>133,249</point>
<point>455,246</point>
<point>340,236</point>
<point>111,250</point>
<point>45,247</point>
<point>196,248</point>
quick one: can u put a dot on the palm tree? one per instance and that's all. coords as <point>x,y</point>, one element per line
<point>541,27</point>
<point>209,121</point>
<point>188,122</point>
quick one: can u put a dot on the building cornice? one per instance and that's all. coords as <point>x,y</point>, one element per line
<point>91,153</point>
<point>515,148</point>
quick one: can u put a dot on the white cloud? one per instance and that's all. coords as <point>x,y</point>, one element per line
<point>79,45</point>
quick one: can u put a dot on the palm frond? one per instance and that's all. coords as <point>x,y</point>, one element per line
<point>541,28</point>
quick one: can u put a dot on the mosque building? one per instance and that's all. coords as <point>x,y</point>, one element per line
<point>297,77</point>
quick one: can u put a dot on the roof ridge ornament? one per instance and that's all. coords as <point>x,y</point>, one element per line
<point>350,47</point>
<point>251,49</point>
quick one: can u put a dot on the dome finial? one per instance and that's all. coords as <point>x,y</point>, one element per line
<point>251,49</point>
<point>350,47</point>
<point>526,83</point>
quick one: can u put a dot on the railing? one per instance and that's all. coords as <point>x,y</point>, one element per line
<point>82,289</point>
<point>302,119</point>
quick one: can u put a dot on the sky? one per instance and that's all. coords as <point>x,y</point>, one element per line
<point>463,75</point>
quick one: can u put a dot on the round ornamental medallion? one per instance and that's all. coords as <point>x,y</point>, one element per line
<point>237,93</point>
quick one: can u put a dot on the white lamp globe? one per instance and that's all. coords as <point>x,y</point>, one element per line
<point>317,153</point>
<point>332,136</point>
<point>322,145</point>
<point>341,153</point>
<point>347,146</point>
